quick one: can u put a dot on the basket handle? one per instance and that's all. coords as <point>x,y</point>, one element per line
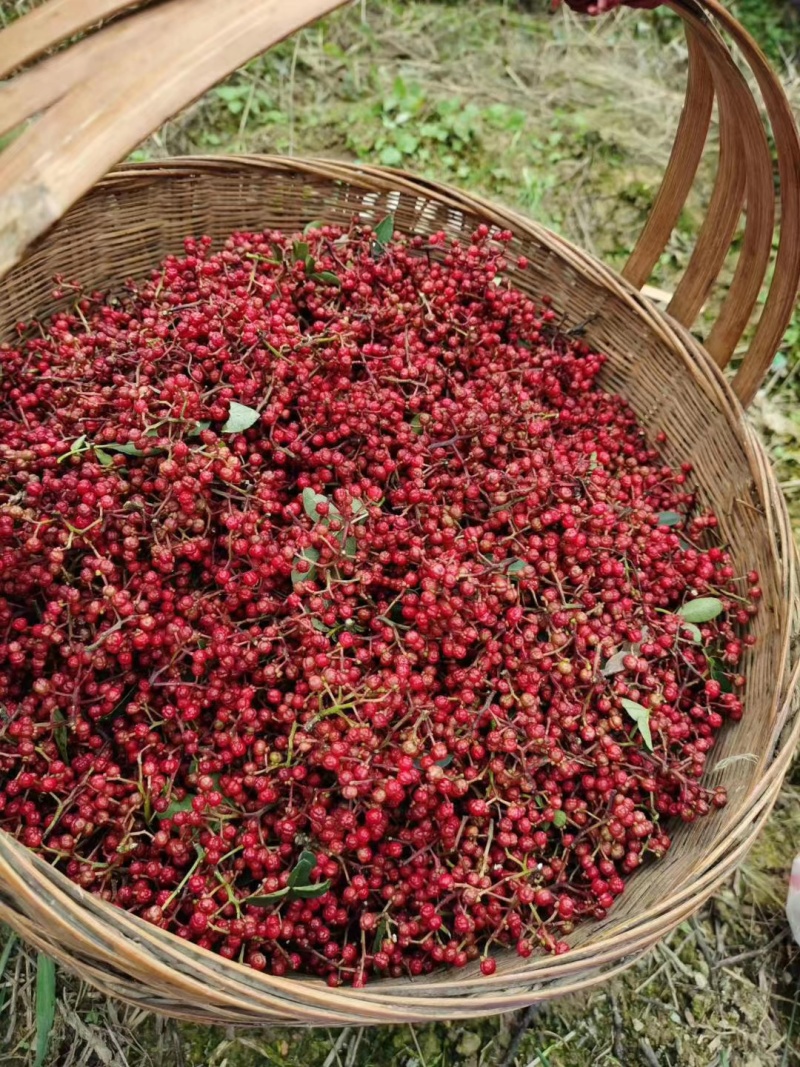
<point>129,61</point>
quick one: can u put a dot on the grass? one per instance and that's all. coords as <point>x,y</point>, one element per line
<point>570,122</point>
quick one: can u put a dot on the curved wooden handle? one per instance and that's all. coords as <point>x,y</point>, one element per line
<point>94,102</point>
<point>744,179</point>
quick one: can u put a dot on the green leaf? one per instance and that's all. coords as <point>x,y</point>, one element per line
<point>298,887</point>
<point>240,418</point>
<point>615,663</point>
<point>719,674</point>
<point>198,428</point>
<point>77,446</point>
<point>327,276</point>
<point>693,630</point>
<point>517,566</point>
<point>416,425</point>
<point>300,251</point>
<point>390,156</point>
<point>592,462</point>
<point>45,1005</point>
<point>127,448</point>
<point>263,900</point>
<point>310,501</point>
<point>231,92</point>
<point>406,142</point>
<point>559,819</point>
<point>312,555</point>
<point>381,934</point>
<point>641,716</point>
<point>318,624</point>
<point>350,547</point>
<point>11,940</point>
<point>670,518</point>
<point>704,609</point>
<point>306,862</point>
<point>176,806</point>
<point>300,892</point>
<point>384,232</point>
<point>310,892</point>
<point>103,457</point>
<point>262,259</point>
<point>315,224</point>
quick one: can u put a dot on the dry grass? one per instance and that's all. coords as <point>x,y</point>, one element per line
<point>571,122</point>
<point>551,123</point>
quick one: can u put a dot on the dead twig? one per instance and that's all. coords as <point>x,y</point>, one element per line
<point>649,1055</point>
<point>528,1016</point>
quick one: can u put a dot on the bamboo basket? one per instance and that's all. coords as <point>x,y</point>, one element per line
<point>138,64</point>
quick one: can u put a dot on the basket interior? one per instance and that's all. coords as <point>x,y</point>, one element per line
<point>128,223</point>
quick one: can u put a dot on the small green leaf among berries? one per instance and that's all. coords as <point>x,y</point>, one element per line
<point>703,609</point>
<point>299,886</point>
<point>384,232</point>
<point>641,716</point>
<point>240,418</point>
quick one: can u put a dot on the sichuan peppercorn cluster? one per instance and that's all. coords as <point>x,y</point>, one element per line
<point>348,626</point>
